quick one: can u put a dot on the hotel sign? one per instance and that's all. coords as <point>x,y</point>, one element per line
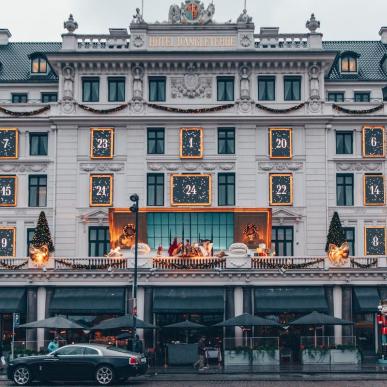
<point>191,42</point>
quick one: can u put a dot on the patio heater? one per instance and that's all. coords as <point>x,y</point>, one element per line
<point>134,208</point>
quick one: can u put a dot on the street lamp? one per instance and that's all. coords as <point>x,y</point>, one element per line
<point>134,208</point>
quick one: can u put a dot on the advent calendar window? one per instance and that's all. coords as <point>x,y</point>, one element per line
<point>191,143</point>
<point>101,190</point>
<point>373,141</point>
<point>7,241</point>
<point>9,143</point>
<point>374,192</point>
<point>375,240</point>
<point>102,143</point>
<point>280,140</point>
<point>190,190</point>
<point>281,189</point>
<point>8,191</point>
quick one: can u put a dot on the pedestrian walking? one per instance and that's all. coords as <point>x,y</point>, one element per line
<point>52,345</point>
<point>201,352</point>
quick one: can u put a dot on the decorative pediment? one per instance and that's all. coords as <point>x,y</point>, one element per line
<point>285,215</point>
<point>280,166</point>
<point>102,167</point>
<point>95,216</point>
<point>191,166</point>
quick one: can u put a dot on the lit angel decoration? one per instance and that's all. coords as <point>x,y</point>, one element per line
<point>338,255</point>
<point>39,255</point>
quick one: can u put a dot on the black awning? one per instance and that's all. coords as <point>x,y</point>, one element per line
<point>366,299</point>
<point>290,299</point>
<point>88,301</point>
<point>12,300</point>
<point>186,300</point>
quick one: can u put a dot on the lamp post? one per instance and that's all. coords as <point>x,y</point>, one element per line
<point>134,208</point>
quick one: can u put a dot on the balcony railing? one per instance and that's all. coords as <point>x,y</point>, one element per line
<point>199,263</point>
<point>287,263</point>
<point>102,42</point>
<point>281,41</point>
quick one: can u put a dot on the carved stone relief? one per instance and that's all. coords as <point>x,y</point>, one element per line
<point>23,167</point>
<point>358,166</point>
<point>191,166</point>
<point>89,167</point>
<point>191,85</point>
<point>281,166</point>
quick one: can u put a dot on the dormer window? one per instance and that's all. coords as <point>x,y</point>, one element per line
<point>348,63</point>
<point>39,66</point>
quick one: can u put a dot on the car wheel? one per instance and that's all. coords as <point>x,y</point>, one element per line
<point>21,376</point>
<point>104,375</point>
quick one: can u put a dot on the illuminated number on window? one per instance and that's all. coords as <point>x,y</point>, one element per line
<point>374,189</point>
<point>281,143</point>
<point>375,241</point>
<point>191,142</point>
<point>102,143</point>
<point>4,242</point>
<point>6,191</point>
<point>190,189</point>
<point>6,142</point>
<point>101,190</point>
<point>374,141</point>
<point>281,189</point>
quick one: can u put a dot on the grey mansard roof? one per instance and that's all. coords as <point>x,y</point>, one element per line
<point>370,55</point>
<point>15,62</point>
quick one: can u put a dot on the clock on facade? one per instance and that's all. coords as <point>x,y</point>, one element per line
<point>8,191</point>
<point>280,143</point>
<point>101,143</point>
<point>374,192</point>
<point>281,189</point>
<point>9,143</point>
<point>101,190</point>
<point>7,241</point>
<point>191,190</point>
<point>373,141</point>
<point>375,240</point>
<point>191,143</point>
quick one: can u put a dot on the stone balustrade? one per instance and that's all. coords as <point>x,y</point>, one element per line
<point>281,41</point>
<point>102,42</point>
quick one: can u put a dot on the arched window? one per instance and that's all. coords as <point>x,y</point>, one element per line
<point>348,64</point>
<point>39,65</point>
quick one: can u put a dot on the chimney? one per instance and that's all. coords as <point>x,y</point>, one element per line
<point>383,35</point>
<point>4,36</point>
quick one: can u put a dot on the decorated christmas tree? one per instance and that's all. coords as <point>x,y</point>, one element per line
<point>336,234</point>
<point>42,234</point>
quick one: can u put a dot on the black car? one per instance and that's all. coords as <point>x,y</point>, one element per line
<point>79,362</point>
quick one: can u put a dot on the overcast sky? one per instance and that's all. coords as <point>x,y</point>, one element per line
<point>42,20</point>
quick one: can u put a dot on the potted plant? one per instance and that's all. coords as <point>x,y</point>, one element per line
<point>315,355</point>
<point>265,355</point>
<point>345,354</point>
<point>238,356</point>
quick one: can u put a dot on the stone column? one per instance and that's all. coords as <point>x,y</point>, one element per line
<point>229,312</point>
<point>140,309</point>
<point>338,312</point>
<point>42,306</point>
<point>31,316</point>
<point>329,331</point>
<point>347,309</point>
<point>247,300</point>
<point>238,309</point>
<point>149,335</point>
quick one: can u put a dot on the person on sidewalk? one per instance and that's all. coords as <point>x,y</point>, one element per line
<point>201,352</point>
<point>52,345</point>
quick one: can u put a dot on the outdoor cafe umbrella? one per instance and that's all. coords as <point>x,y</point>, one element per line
<point>57,322</point>
<point>187,325</point>
<point>125,321</point>
<point>316,319</point>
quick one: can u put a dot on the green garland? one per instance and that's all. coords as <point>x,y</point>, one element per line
<point>189,111</point>
<point>103,111</point>
<point>160,263</point>
<point>280,111</point>
<point>357,112</point>
<point>364,265</point>
<point>287,266</point>
<point>25,114</point>
<point>116,265</point>
<point>13,267</point>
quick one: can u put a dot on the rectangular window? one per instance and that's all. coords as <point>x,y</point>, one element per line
<point>90,89</point>
<point>292,88</point>
<point>226,141</point>
<point>225,87</point>
<point>19,98</point>
<point>37,191</point>
<point>362,96</point>
<point>336,96</point>
<point>99,241</point>
<point>163,227</point>
<point>266,88</point>
<point>157,89</point>
<point>344,189</point>
<point>156,141</point>
<point>39,66</point>
<point>282,239</point>
<point>349,233</point>
<point>38,144</point>
<point>49,97</point>
<point>30,235</point>
<point>155,189</point>
<point>344,143</point>
<point>226,189</point>
<point>116,89</point>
